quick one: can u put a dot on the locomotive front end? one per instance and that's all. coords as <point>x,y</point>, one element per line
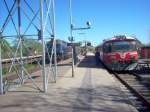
<point>118,54</point>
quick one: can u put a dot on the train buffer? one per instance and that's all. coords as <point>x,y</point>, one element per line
<point>92,89</point>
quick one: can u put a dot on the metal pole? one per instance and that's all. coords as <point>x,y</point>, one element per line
<point>70,10</point>
<point>85,47</point>
<point>20,37</point>
<point>1,76</point>
<point>55,55</point>
<point>43,48</point>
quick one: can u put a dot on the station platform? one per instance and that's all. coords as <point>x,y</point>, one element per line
<point>92,89</point>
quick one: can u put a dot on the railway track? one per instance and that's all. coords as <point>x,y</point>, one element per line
<point>27,59</point>
<point>138,91</point>
<point>14,75</point>
<point>6,63</point>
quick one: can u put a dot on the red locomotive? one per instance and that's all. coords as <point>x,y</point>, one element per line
<point>118,52</point>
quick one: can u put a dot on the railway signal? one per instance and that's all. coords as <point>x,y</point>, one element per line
<point>74,28</point>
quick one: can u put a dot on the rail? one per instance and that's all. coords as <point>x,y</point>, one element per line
<point>136,87</point>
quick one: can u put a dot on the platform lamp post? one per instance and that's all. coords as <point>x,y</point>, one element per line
<point>71,31</point>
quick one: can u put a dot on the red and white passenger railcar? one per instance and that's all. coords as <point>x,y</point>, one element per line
<point>117,53</point>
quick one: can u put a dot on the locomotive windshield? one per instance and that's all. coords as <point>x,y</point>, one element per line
<point>120,46</point>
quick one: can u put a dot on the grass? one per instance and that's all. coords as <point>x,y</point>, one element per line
<point>28,67</point>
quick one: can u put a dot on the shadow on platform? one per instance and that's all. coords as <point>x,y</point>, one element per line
<point>99,99</point>
<point>90,62</point>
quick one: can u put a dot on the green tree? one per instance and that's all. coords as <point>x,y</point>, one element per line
<point>5,48</point>
<point>30,47</point>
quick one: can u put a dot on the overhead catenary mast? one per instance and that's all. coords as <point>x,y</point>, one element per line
<point>54,39</point>
<point>43,47</point>
<point>21,41</point>
<point>1,75</point>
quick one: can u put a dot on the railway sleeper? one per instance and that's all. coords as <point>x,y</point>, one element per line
<point>140,87</point>
<point>139,105</point>
<point>148,98</point>
<point>134,82</point>
<point>144,109</point>
<point>147,84</point>
<point>133,97</point>
<point>145,92</point>
<point>130,77</point>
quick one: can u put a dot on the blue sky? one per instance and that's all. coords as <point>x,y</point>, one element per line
<point>108,18</point>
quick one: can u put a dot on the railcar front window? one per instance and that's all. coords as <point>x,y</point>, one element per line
<point>123,47</point>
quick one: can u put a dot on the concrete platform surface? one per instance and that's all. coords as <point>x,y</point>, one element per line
<point>92,89</point>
